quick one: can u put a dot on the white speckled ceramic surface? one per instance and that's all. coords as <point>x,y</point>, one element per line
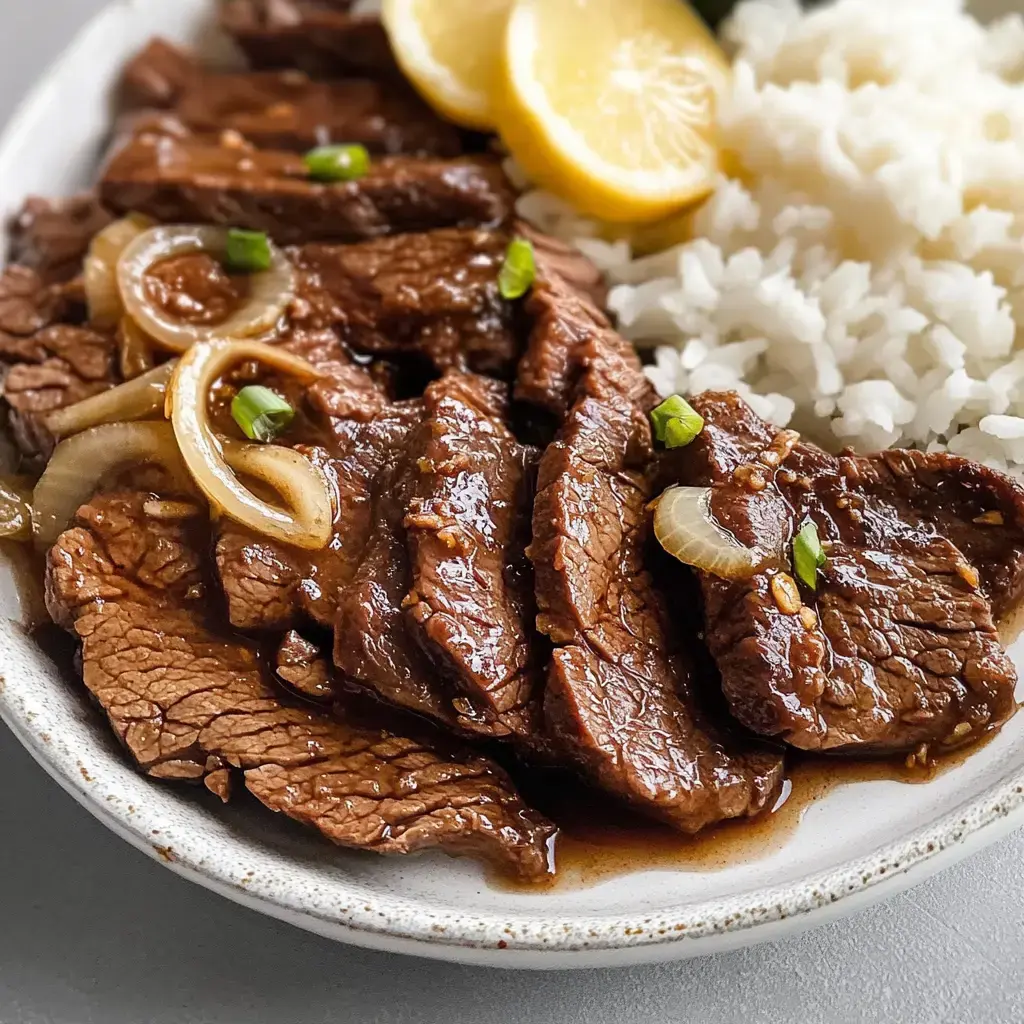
<point>857,844</point>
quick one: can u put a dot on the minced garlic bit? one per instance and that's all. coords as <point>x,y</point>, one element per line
<point>280,110</point>
<point>751,477</point>
<point>778,451</point>
<point>463,707</point>
<point>993,518</point>
<point>231,139</point>
<point>452,537</point>
<point>969,574</point>
<point>786,593</point>
<point>919,758</point>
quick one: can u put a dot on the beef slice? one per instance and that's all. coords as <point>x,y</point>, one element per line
<point>470,600</point>
<point>620,700</point>
<point>229,182</point>
<point>190,702</point>
<point>324,39</point>
<point>286,109</point>
<point>896,646</point>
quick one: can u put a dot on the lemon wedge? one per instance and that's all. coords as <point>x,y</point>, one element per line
<point>451,50</point>
<point>611,103</point>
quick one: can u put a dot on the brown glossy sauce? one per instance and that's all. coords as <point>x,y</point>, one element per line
<point>195,289</point>
<point>28,569</point>
<point>599,840</point>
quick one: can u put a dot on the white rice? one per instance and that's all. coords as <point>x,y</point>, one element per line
<point>865,283</point>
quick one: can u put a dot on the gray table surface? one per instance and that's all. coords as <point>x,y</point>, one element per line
<point>91,931</point>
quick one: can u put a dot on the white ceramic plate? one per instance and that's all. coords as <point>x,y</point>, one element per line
<point>862,842</point>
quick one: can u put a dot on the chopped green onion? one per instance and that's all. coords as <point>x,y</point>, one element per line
<point>679,433</point>
<point>247,252</point>
<point>260,413</point>
<point>338,163</point>
<point>519,269</point>
<point>808,554</point>
<point>676,423</point>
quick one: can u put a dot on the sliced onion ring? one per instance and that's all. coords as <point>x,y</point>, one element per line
<point>308,521</point>
<point>15,512</point>
<point>79,465</point>
<point>136,349</point>
<point>271,292</point>
<point>288,473</point>
<point>170,511</point>
<point>100,274</point>
<point>686,529</point>
<point>136,400</point>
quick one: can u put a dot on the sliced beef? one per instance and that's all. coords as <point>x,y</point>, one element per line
<point>344,425</point>
<point>373,644</point>
<point>323,39</point>
<point>567,333</point>
<point>261,581</point>
<point>158,76</point>
<point>53,237</point>
<point>191,703</point>
<point>286,109</point>
<point>302,666</point>
<point>620,700</point>
<point>418,600</point>
<point>556,259</point>
<point>347,427</point>
<point>27,304</point>
<point>274,586</point>
<point>470,603</point>
<point>346,391</point>
<point>185,180</point>
<point>979,510</point>
<point>55,367</point>
<point>431,300</point>
<point>433,296</point>
<point>896,646</point>
<point>46,364</point>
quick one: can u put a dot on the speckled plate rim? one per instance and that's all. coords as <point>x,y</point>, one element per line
<point>72,745</point>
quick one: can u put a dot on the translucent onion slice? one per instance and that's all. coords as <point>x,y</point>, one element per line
<point>271,291</point>
<point>290,474</point>
<point>685,528</point>
<point>307,520</point>
<point>170,511</point>
<point>15,511</point>
<point>135,400</point>
<point>136,349</point>
<point>79,465</point>
<point>100,275</point>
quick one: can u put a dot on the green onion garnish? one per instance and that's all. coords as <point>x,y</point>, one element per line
<point>338,163</point>
<point>260,413</point>
<point>676,423</point>
<point>519,269</point>
<point>808,554</point>
<point>247,252</point>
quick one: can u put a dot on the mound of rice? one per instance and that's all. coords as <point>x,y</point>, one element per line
<point>864,280</point>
